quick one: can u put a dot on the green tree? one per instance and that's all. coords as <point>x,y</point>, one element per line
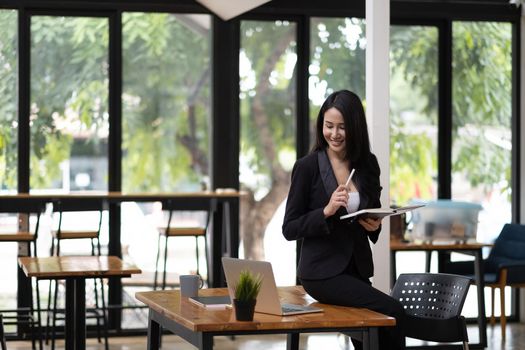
<point>166,102</point>
<point>69,83</point>
<point>8,100</point>
<point>480,98</point>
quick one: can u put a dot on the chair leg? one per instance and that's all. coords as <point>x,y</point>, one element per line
<point>206,260</point>
<point>492,318</point>
<point>165,262</point>
<point>157,265</point>
<point>197,254</point>
<point>2,335</point>
<point>503,317</point>
<point>465,345</point>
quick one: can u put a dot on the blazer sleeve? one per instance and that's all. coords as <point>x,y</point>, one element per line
<point>375,194</point>
<point>301,218</point>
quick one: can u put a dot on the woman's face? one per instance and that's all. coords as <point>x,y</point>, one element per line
<point>334,130</point>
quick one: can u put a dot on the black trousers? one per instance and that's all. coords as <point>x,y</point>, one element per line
<point>350,289</point>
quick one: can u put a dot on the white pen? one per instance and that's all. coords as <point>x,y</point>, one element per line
<point>350,177</point>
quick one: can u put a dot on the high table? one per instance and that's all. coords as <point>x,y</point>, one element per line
<point>75,270</point>
<point>470,248</point>
<point>198,326</point>
<point>224,236</point>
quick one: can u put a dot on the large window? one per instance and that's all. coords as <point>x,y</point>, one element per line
<point>481,132</point>
<point>8,100</point>
<point>166,102</point>
<point>8,148</point>
<point>166,122</point>
<point>69,119</point>
<point>413,113</point>
<point>267,141</point>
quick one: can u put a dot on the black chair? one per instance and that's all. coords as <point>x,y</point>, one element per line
<point>174,229</point>
<point>23,232</point>
<point>505,266</point>
<point>433,304</point>
<point>63,232</point>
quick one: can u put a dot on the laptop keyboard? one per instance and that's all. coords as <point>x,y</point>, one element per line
<point>291,308</point>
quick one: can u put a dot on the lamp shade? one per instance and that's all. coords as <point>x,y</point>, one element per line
<point>227,9</point>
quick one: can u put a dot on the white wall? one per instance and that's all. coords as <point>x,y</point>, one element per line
<point>522,146</point>
<point>377,110</point>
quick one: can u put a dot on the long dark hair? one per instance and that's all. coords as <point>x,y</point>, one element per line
<point>356,129</point>
<point>357,144</point>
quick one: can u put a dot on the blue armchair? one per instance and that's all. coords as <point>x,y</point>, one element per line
<point>505,266</point>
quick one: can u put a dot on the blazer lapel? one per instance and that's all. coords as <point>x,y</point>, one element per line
<point>327,174</point>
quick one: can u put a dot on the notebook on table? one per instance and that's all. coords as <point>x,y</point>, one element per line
<point>268,299</point>
<point>218,302</point>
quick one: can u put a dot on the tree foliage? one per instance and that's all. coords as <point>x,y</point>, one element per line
<point>8,100</point>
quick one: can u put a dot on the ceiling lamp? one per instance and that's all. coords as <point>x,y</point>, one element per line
<point>227,9</point>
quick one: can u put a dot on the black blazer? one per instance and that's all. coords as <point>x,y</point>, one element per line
<point>329,244</point>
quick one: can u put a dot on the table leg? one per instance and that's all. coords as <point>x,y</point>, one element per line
<point>153,333</point>
<point>216,246</point>
<point>428,260</point>
<point>480,284</point>
<point>393,272</point>
<point>371,339</point>
<point>75,322</point>
<point>204,341</point>
<point>292,341</point>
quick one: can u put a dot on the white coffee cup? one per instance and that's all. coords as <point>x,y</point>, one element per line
<point>190,285</point>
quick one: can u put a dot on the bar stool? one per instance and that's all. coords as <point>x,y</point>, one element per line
<point>22,234</point>
<point>172,229</point>
<point>63,208</point>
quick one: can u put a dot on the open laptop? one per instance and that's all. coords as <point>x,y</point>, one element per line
<point>268,298</point>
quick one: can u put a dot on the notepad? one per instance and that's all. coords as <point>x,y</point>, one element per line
<point>380,212</point>
<point>212,302</point>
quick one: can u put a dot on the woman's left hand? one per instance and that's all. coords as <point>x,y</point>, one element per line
<point>370,224</point>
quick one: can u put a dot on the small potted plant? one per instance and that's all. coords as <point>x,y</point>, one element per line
<point>246,291</point>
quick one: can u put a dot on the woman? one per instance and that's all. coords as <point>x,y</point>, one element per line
<point>336,259</point>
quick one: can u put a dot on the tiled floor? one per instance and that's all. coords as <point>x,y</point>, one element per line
<point>515,341</point>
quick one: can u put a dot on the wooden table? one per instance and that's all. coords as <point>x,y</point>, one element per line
<point>469,248</point>
<point>198,326</point>
<point>75,270</point>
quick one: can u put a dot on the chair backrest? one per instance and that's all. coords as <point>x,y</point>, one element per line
<point>431,295</point>
<point>510,244</point>
<point>24,206</point>
<point>79,205</point>
<point>189,204</point>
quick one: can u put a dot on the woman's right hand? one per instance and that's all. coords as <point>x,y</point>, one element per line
<point>338,199</point>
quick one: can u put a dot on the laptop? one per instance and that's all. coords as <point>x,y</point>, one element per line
<point>268,299</point>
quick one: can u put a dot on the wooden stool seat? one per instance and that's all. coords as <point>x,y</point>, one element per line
<point>183,231</point>
<point>17,237</point>
<point>75,234</point>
